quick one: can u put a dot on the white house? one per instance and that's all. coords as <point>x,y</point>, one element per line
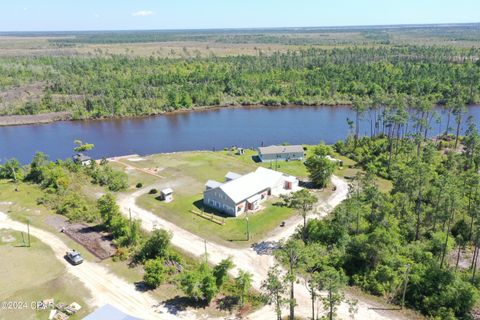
<point>242,193</point>
<point>280,153</point>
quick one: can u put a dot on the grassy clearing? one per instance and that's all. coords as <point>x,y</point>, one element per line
<point>48,279</point>
<point>349,170</point>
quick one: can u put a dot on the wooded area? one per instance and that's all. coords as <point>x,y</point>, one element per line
<point>121,85</point>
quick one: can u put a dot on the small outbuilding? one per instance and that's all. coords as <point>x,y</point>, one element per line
<point>82,159</point>
<point>167,194</point>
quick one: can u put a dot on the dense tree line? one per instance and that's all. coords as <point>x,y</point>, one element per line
<point>119,85</point>
<point>416,245</point>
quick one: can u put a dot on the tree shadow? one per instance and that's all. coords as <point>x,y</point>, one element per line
<point>279,204</point>
<point>141,286</point>
<point>179,304</point>
<point>256,159</point>
<point>307,185</point>
<point>265,247</point>
<point>227,303</point>
<point>202,208</point>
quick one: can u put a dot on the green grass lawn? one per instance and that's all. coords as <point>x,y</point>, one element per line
<point>234,230</point>
<point>32,274</point>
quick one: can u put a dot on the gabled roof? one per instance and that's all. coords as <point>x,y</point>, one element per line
<point>167,191</point>
<point>251,184</point>
<point>81,157</point>
<point>280,149</point>
<point>232,175</point>
<point>109,312</point>
<point>212,184</point>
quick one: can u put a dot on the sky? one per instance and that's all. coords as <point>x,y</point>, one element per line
<point>67,15</point>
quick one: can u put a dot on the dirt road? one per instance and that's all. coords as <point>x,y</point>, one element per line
<point>104,286</point>
<point>249,259</point>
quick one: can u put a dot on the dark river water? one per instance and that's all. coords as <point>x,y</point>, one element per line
<point>199,130</point>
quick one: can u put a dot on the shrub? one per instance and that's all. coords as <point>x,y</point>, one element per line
<point>153,191</point>
<point>155,272</point>
<point>121,254</point>
<point>156,246</point>
<point>139,185</point>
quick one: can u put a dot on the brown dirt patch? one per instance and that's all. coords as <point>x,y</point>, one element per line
<point>93,238</point>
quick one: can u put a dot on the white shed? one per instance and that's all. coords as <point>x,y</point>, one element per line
<point>167,194</point>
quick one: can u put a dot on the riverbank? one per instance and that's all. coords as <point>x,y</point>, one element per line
<point>16,120</point>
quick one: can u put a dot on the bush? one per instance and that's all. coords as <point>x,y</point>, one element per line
<point>156,246</point>
<point>155,272</point>
<point>153,191</point>
<point>106,176</point>
<point>121,254</point>
<point>139,185</point>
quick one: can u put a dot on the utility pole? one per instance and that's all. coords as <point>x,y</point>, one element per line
<point>248,228</point>
<point>28,231</point>
<point>405,286</point>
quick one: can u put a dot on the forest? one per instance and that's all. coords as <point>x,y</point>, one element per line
<point>416,246</point>
<point>106,85</point>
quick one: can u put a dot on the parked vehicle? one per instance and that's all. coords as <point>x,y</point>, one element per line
<point>74,257</point>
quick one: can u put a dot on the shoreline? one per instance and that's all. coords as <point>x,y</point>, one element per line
<point>43,118</point>
<point>51,117</point>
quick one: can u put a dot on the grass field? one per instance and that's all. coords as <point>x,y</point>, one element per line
<point>48,279</point>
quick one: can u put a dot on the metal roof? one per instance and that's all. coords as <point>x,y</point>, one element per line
<point>250,184</point>
<point>254,198</point>
<point>232,175</point>
<point>280,149</point>
<point>109,312</point>
<point>212,184</point>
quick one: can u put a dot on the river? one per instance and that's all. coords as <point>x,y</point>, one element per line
<point>196,130</point>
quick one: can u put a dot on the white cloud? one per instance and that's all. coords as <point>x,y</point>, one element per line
<point>143,13</point>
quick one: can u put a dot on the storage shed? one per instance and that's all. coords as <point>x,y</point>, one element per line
<point>167,194</point>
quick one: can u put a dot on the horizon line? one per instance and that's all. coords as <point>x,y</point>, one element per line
<point>330,27</point>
